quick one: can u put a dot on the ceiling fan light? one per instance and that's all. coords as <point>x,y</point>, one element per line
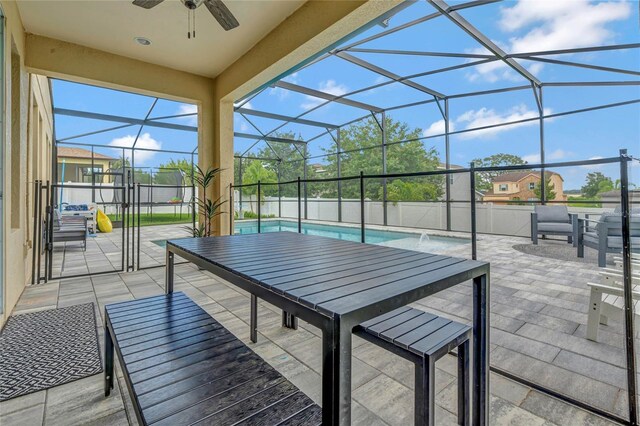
<point>142,41</point>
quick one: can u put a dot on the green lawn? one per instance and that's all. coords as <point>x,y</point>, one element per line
<point>158,218</point>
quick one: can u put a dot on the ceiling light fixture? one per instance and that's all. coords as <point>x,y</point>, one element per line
<point>142,40</point>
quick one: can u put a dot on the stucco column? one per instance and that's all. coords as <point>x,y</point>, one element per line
<point>215,149</point>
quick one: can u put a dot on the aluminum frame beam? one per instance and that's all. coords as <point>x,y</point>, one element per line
<point>328,96</point>
<point>288,119</point>
<point>388,74</point>
<point>119,119</point>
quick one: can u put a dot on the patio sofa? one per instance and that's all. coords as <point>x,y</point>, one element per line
<point>69,228</point>
<point>605,235</point>
<point>554,220</point>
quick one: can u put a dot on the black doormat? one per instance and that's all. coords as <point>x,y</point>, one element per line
<point>44,349</point>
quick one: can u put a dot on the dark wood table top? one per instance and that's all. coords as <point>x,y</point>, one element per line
<point>334,277</point>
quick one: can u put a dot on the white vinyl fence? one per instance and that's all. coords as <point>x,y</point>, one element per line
<point>105,194</point>
<point>490,218</point>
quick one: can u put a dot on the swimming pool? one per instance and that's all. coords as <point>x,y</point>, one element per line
<point>407,240</point>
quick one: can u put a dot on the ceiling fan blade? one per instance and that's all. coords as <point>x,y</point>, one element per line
<point>147,4</point>
<point>222,14</point>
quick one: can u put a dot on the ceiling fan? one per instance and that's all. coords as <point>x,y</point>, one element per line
<point>216,7</point>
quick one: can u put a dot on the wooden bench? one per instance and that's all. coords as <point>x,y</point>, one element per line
<point>423,338</point>
<point>181,367</point>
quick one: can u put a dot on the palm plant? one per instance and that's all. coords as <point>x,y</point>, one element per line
<point>207,207</point>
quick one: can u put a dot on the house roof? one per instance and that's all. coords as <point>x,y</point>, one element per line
<point>451,166</point>
<point>616,193</point>
<point>68,152</point>
<point>518,176</point>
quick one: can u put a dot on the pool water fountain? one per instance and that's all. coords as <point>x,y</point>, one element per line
<point>424,238</point>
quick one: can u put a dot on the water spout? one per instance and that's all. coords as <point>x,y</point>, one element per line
<point>423,238</point>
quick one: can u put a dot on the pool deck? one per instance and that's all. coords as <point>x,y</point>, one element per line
<point>538,325</point>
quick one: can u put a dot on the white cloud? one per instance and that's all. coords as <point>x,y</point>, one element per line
<point>488,117</point>
<point>557,155</point>
<point>551,25</point>
<point>328,86</point>
<point>189,109</point>
<point>561,24</point>
<point>144,141</point>
<point>437,128</point>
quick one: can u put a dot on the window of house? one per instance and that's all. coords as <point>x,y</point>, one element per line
<point>532,186</point>
<point>86,173</point>
<point>503,187</point>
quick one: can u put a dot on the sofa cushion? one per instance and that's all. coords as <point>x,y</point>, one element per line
<point>616,220</point>
<point>555,227</point>
<point>557,214</point>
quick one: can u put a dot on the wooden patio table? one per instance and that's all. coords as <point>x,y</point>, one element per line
<point>336,285</point>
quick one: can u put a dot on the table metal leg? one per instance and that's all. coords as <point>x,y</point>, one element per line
<point>253,332</point>
<point>336,375</point>
<point>169,273</point>
<point>481,350</point>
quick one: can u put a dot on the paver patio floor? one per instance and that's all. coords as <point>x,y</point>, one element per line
<point>538,327</point>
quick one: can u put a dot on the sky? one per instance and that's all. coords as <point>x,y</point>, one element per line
<point>515,26</point>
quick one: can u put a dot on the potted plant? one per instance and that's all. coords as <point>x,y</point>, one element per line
<point>208,208</point>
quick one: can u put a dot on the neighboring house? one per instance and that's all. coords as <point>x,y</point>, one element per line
<point>520,186</point>
<point>460,187</point>
<point>78,165</point>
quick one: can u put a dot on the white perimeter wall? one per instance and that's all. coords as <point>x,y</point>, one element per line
<point>491,218</point>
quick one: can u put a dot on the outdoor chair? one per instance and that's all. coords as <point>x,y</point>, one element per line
<point>605,235</point>
<point>70,228</point>
<point>606,300</point>
<point>554,220</point>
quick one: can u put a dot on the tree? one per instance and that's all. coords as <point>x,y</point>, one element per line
<point>549,193</point>
<point>255,172</point>
<point>288,161</point>
<point>484,180</point>
<point>361,151</point>
<point>166,178</point>
<point>139,175</point>
<point>595,183</point>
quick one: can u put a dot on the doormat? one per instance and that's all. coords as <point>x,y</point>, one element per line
<point>44,349</point>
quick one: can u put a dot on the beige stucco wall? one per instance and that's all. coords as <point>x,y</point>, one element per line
<point>24,164</point>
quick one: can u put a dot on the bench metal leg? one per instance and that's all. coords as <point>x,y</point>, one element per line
<point>289,320</point>
<point>108,362</point>
<point>254,319</point>
<point>425,393</point>
<point>463,384</point>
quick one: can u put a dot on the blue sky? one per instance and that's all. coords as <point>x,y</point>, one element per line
<point>516,26</point>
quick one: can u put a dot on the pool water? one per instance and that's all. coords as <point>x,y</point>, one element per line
<point>406,240</point>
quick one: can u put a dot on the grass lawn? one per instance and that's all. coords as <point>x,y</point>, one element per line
<point>159,218</point>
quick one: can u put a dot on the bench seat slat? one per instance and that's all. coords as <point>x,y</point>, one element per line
<point>421,332</point>
<point>210,413</point>
<point>310,416</point>
<point>184,374</point>
<point>183,367</point>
